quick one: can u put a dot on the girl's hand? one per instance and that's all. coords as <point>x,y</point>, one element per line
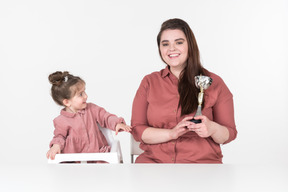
<point>55,149</point>
<point>203,129</point>
<point>181,128</point>
<point>122,126</point>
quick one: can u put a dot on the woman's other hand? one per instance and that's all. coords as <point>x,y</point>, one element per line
<point>181,128</point>
<point>208,128</point>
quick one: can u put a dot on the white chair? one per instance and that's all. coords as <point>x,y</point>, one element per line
<point>135,149</point>
<point>114,156</point>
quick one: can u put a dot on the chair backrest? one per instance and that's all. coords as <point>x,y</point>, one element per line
<point>135,149</point>
<point>108,134</point>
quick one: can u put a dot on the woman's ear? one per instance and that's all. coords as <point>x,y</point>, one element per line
<point>66,102</point>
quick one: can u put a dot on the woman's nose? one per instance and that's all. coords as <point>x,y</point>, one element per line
<point>171,47</point>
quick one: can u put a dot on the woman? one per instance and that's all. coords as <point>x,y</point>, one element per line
<point>167,100</point>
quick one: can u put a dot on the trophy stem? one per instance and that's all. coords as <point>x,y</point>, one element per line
<point>201,82</point>
<point>198,112</point>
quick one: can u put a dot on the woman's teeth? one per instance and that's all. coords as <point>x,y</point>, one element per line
<point>174,55</point>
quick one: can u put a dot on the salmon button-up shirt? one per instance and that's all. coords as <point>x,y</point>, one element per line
<point>79,132</point>
<point>156,105</point>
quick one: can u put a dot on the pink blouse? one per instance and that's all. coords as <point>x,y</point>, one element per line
<point>156,105</point>
<point>79,132</point>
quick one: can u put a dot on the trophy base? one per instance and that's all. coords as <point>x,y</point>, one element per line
<point>196,121</point>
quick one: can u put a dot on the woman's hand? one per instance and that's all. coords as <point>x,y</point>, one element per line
<point>55,149</point>
<point>203,129</point>
<point>208,128</point>
<point>181,128</point>
<point>122,126</point>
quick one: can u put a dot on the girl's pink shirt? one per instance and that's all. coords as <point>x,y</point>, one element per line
<point>79,132</point>
<point>156,105</point>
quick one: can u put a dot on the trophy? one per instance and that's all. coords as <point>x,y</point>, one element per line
<point>201,82</point>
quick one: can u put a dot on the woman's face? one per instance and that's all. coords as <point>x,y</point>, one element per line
<point>174,48</point>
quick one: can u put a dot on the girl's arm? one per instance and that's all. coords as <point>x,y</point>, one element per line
<point>122,126</point>
<point>55,149</point>
<point>60,134</point>
<point>106,119</point>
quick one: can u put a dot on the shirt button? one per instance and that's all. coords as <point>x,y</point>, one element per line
<point>174,110</point>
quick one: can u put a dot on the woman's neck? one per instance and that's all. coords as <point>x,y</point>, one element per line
<point>176,71</point>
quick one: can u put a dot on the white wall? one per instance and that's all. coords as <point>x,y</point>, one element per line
<point>112,45</point>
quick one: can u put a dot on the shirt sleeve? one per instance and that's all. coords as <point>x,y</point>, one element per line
<point>139,111</point>
<point>60,134</point>
<point>106,119</point>
<point>223,111</point>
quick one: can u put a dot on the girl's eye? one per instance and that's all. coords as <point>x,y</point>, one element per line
<point>179,42</point>
<point>165,44</point>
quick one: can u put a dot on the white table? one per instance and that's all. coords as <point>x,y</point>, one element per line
<point>143,177</point>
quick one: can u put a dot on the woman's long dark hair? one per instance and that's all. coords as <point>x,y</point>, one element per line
<point>186,87</point>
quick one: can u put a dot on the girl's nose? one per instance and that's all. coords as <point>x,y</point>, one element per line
<point>85,95</point>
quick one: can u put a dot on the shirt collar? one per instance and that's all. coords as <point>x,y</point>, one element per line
<point>68,114</point>
<point>166,72</point>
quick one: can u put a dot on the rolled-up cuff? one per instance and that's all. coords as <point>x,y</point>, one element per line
<point>58,141</point>
<point>120,120</point>
<point>137,132</point>
<point>232,135</point>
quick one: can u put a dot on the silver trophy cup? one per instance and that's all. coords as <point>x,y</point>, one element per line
<point>201,82</point>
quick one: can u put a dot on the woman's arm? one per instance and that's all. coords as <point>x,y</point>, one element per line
<point>207,128</point>
<point>222,128</point>
<point>153,135</point>
<point>141,129</point>
<point>221,133</point>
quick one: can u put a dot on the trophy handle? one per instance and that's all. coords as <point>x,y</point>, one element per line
<point>196,121</point>
<point>198,112</point>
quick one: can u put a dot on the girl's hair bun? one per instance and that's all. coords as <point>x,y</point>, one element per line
<point>58,77</point>
<point>64,86</point>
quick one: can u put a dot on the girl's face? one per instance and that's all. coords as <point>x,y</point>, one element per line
<point>78,101</point>
<point>174,48</point>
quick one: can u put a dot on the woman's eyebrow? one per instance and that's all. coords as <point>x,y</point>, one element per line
<point>179,39</point>
<point>164,41</point>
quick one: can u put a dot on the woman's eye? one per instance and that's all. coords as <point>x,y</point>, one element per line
<point>179,42</point>
<point>165,44</point>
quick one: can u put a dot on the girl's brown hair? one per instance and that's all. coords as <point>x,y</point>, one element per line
<point>186,87</point>
<point>64,86</point>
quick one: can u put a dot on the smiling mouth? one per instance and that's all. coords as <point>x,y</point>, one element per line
<point>173,55</point>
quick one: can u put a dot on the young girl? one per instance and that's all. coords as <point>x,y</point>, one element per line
<point>76,129</point>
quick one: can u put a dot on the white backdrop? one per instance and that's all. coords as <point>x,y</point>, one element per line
<point>112,45</point>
